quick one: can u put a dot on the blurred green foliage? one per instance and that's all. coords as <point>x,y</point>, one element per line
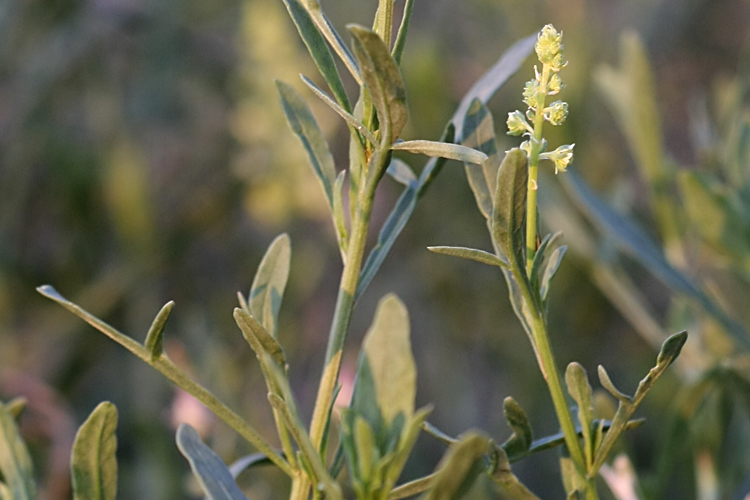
<point>144,157</point>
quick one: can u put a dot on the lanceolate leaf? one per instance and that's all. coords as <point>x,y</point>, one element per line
<point>155,336</point>
<point>258,338</point>
<point>442,150</point>
<point>303,124</point>
<point>210,470</point>
<point>471,254</point>
<point>15,461</point>
<point>459,467</point>
<point>269,284</point>
<point>401,172</point>
<point>508,214</point>
<point>318,49</point>
<point>387,349</point>
<point>94,464</point>
<point>383,79</point>
<point>479,133</point>
<point>398,47</point>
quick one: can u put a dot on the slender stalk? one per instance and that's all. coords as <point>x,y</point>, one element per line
<point>536,145</point>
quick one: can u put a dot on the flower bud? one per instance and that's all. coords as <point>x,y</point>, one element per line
<point>548,44</point>
<point>517,124</point>
<point>561,157</point>
<point>556,112</point>
<point>531,93</point>
<point>555,84</point>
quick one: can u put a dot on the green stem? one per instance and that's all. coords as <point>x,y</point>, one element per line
<point>536,144</point>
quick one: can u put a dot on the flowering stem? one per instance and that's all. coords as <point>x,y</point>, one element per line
<point>536,143</point>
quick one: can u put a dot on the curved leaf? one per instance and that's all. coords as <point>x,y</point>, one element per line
<point>93,463</point>
<point>442,150</point>
<point>155,336</point>
<point>459,467</point>
<point>210,470</point>
<point>15,461</point>
<point>269,283</point>
<point>519,443</point>
<point>509,210</point>
<point>471,254</point>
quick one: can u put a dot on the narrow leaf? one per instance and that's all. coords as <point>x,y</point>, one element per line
<point>15,462</point>
<point>479,133</point>
<point>269,284</point>
<point>494,78</point>
<point>318,49</point>
<point>550,270</point>
<point>93,462</point>
<point>210,470</point>
<point>387,349</point>
<point>401,172</point>
<point>471,254</point>
<point>502,475</point>
<point>610,387</point>
<point>459,467</point>
<point>509,210</point>
<point>442,150</point>
<point>580,390</point>
<point>155,336</point>
<point>403,29</point>
<point>519,443</point>
<point>258,338</point>
<point>339,216</point>
<point>382,77</point>
<point>16,406</point>
<point>303,124</point>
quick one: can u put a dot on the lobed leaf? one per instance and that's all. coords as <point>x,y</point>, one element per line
<point>269,283</point>
<point>210,470</point>
<point>442,150</point>
<point>15,462</point>
<point>93,462</point>
<point>305,127</point>
<point>316,45</point>
<point>382,78</point>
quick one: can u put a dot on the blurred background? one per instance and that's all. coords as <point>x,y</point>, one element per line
<point>144,158</point>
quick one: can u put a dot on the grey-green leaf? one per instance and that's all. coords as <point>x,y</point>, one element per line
<point>503,476</point>
<point>479,133</point>
<point>580,390</point>
<point>509,210</point>
<point>210,470</point>
<point>15,462</point>
<point>442,150</point>
<point>401,172</point>
<point>93,462</point>
<point>382,77</point>
<point>403,29</point>
<point>269,284</point>
<point>258,338</point>
<point>471,254</point>
<point>318,49</point>
<point>155,336</point>
<point>610,387</point>
<point>303,124</point>
<point>459,467</point>
<point>387,348</point>
<point>519,443</point>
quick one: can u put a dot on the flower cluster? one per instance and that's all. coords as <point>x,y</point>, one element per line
<point>549,51</point>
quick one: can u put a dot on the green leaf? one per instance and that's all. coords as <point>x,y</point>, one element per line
<point>493,79</point>
<point>210,470</point>
<point>93,462</point>
<point>16,406</point>
<point>406,443</point>
<point>459,467</point>
<point>387,349</point>
<point>382,78</point>
<point>347,116</point>
<point>610,387</point>
<point>580,390</point>
<point>668,353</point>
<point>550,269</point>
<point>15,462</point>
<point>572,481</point>
<point>403,29</point>
<point>442,150</point>
<point>508,214</point>
<point>259,339</point>
<point>546,262</point>
<point>519,443</point>
<point>366,449</point>
<point>303,124</point>
<point>401,172</point>
<point>479,133</point>
<point>471,254</point>
<point>635,242</point>
<point>269,283</point>
<point>339,217</point>
<point>155,336</point>
<point>501,474</point>
<point>318,49</point>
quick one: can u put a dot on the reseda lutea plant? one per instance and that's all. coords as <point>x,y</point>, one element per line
<point>380,427</point>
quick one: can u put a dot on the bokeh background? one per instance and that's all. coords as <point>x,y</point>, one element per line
<point>144,158</point>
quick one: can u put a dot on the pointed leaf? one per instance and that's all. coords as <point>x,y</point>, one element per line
<point>269,284</point>
<point>471,254</point>
<point>494,78</point>
<point>610,387</point>
<point>550,269</point>
<point>509,211</point>
<point>519,443</point>
<point>382,77</point>
<point>318,49</point>
<point>155,336</point>
<point>459,467</point>
<point>16,406</point>
<point>442,150</point>
<point>479,133</point>
<point>93,462</point>
<point>387,349</point>
<point>259,339</point>
<point>210,470</point>
<point>403,29</point>
<point>15,462</point>
<point>303,124</point>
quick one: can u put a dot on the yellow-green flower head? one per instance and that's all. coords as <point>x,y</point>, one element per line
<point>556,112</point>
<point>548,44</point>
<point>555,84</point>
<point>531,92</point>
<point>561,157</point>
<point>517,124</point>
